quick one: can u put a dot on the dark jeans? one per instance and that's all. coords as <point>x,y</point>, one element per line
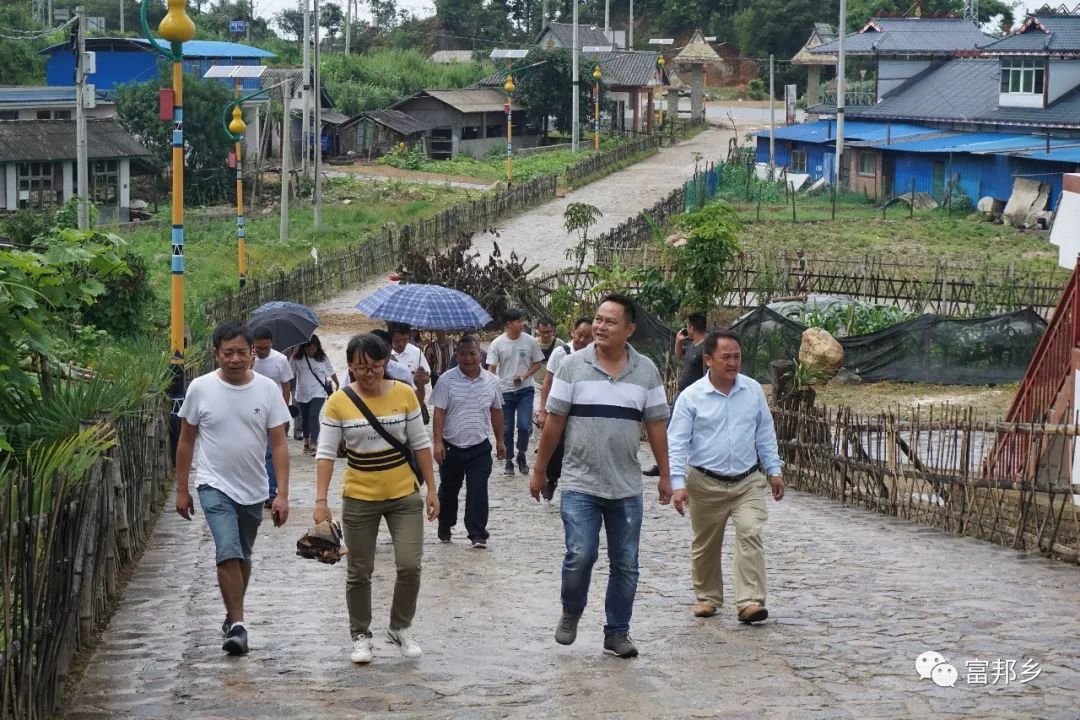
<point>309,416</point>
<point>519,403</point>
<point>471,465</point>
<point>268,460</point>
<point>582,516</point>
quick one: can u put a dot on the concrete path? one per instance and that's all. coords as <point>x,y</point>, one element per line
<point>537,234</point>
<point>854,597</point>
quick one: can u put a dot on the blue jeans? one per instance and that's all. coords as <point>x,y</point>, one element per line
<point>309,416</point>
<point>268,460</point>
<point>519,403</point>
<point>582,516</point>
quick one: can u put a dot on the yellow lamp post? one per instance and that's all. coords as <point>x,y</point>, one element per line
<point>596,106</point>
<point>663,116</point>
<point>509,88</point>
<point>177,28</point>
<point>236,129</point>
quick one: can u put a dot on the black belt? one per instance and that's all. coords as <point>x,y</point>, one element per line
<point>726,478</point>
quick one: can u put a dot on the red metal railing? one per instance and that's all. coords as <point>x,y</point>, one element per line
<point>1048,370</point>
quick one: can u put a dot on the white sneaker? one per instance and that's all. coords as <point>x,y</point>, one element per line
<point>404,640</point>
<point>362,650</point>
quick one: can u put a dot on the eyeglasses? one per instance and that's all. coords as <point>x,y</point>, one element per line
<point>369,369</point>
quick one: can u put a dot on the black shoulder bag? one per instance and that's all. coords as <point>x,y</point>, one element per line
<point>327,385</point>
<point>377,426</point>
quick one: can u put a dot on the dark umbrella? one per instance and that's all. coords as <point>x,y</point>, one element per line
<point>290,323</point>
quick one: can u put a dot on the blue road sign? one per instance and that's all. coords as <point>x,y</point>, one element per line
<point>236,26</point>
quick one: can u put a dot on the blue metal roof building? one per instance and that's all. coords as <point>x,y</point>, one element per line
<point>124,60</point>
<point>902,156</point>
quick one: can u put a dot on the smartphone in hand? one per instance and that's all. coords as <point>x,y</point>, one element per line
<point>276,517</point>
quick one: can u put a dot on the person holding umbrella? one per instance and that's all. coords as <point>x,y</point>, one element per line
<point>388,457</point>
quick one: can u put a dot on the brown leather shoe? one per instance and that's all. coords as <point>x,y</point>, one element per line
<point>753,613</point>
<point>704,609</point>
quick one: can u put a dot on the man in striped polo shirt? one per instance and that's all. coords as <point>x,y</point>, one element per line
<point>599,399</point>
<point>468,406</point>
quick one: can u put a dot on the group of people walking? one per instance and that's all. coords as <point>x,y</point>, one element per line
<point>715,452</point>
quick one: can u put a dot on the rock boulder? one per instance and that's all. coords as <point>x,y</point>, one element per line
<point>821,352</point>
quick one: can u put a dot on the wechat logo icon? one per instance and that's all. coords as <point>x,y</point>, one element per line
<point>932,666</point>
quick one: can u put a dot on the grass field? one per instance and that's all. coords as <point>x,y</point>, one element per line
<point>929,237</point>
<point>901,398</point>
<point>210,256</point>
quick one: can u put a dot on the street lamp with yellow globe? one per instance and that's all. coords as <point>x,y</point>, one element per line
<point>596,107</point>
<point>509,88</point>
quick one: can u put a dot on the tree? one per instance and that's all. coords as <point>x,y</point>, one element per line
<point>542,88</point>
<point>206,178</point>
<point>579,217</point>
<point>331,19</point>
<point>291,22</point>
<point>711,245</point>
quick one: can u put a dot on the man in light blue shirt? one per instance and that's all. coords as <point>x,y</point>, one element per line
<point>721,439</point>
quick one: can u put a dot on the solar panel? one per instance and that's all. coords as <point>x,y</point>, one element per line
<point>505,54</point>
<point>235,71</point>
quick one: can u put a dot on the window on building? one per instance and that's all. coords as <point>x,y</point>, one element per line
<point>61,115</point>
<point>105,182</point>
<point>470,132</point>
<point>38,185</point>
<point>1022,75</point>
<point>798,160</point>
<point>867,164</point>
<point>44,114</point>
<point>9,114</point>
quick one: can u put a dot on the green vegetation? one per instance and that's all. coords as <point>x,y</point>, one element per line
<point>845,320</point>
<point>383,77</point>
<point>210,247</point>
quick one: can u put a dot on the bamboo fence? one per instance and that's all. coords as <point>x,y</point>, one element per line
<point>602,161</point>
<point>939,470</point>
<point>61,568</point>
<point>317,280</point>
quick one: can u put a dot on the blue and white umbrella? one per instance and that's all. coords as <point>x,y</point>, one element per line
<point>431,307</point>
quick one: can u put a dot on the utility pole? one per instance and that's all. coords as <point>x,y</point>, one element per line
<point>348,23</point>
<point>80,123</point>
<point>543,15</point>
<point>247,25</point>
<point>575,131</point>
<point>305,123</point>
<point>607,18</point>
<point>772,120</point>
<point>286,162</point>
<point>630,29</point>
<point>840,73</point>
<point>121,17</point>
<point>317,195</point>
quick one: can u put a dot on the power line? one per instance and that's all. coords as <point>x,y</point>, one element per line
<point>33,34</point>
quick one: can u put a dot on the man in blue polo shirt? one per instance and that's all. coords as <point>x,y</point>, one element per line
<point>599,398</point>
<point>722,438</point>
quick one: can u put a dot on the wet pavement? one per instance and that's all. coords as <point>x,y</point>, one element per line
<point>854,598</point>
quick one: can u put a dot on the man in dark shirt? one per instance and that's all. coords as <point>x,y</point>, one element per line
<point>689,347</point>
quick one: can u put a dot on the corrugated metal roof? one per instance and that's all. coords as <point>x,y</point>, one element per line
<point>43,95</point>
<point>564,33</point>
<point>1063,154</point>
<point>965,142</point>
<point>396,120</point>
<point>471,100</point>
<point>825,131</point>
<point>1041,34</point>
<point>52,140</point>
<point>451,56</point>
<point>191,49</point>
<point>910,36</point>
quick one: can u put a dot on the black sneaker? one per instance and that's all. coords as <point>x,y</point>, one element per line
<point>236,640</point>
<point>298,434</point>
<point>445,537</point>
<point>509,472</point>
<point>522,465</point>
<point>620,644</point>
<point>566,633</point>
<point>225,627</point>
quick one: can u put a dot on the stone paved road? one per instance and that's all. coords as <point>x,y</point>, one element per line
<point>855,598</point>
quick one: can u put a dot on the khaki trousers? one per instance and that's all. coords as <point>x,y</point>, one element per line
<point>360,520</point>
<point>712,502</point>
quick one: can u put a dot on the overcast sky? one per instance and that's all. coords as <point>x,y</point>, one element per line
<point>424,8</point>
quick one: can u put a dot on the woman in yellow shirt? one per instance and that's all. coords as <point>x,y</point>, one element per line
<point>379,483</point>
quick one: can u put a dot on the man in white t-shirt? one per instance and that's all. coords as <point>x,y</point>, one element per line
<point>274,365</point>
<point>515,357</point>
<point>579,340</point>
<point>412,357</point>
<point>225,420</point>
